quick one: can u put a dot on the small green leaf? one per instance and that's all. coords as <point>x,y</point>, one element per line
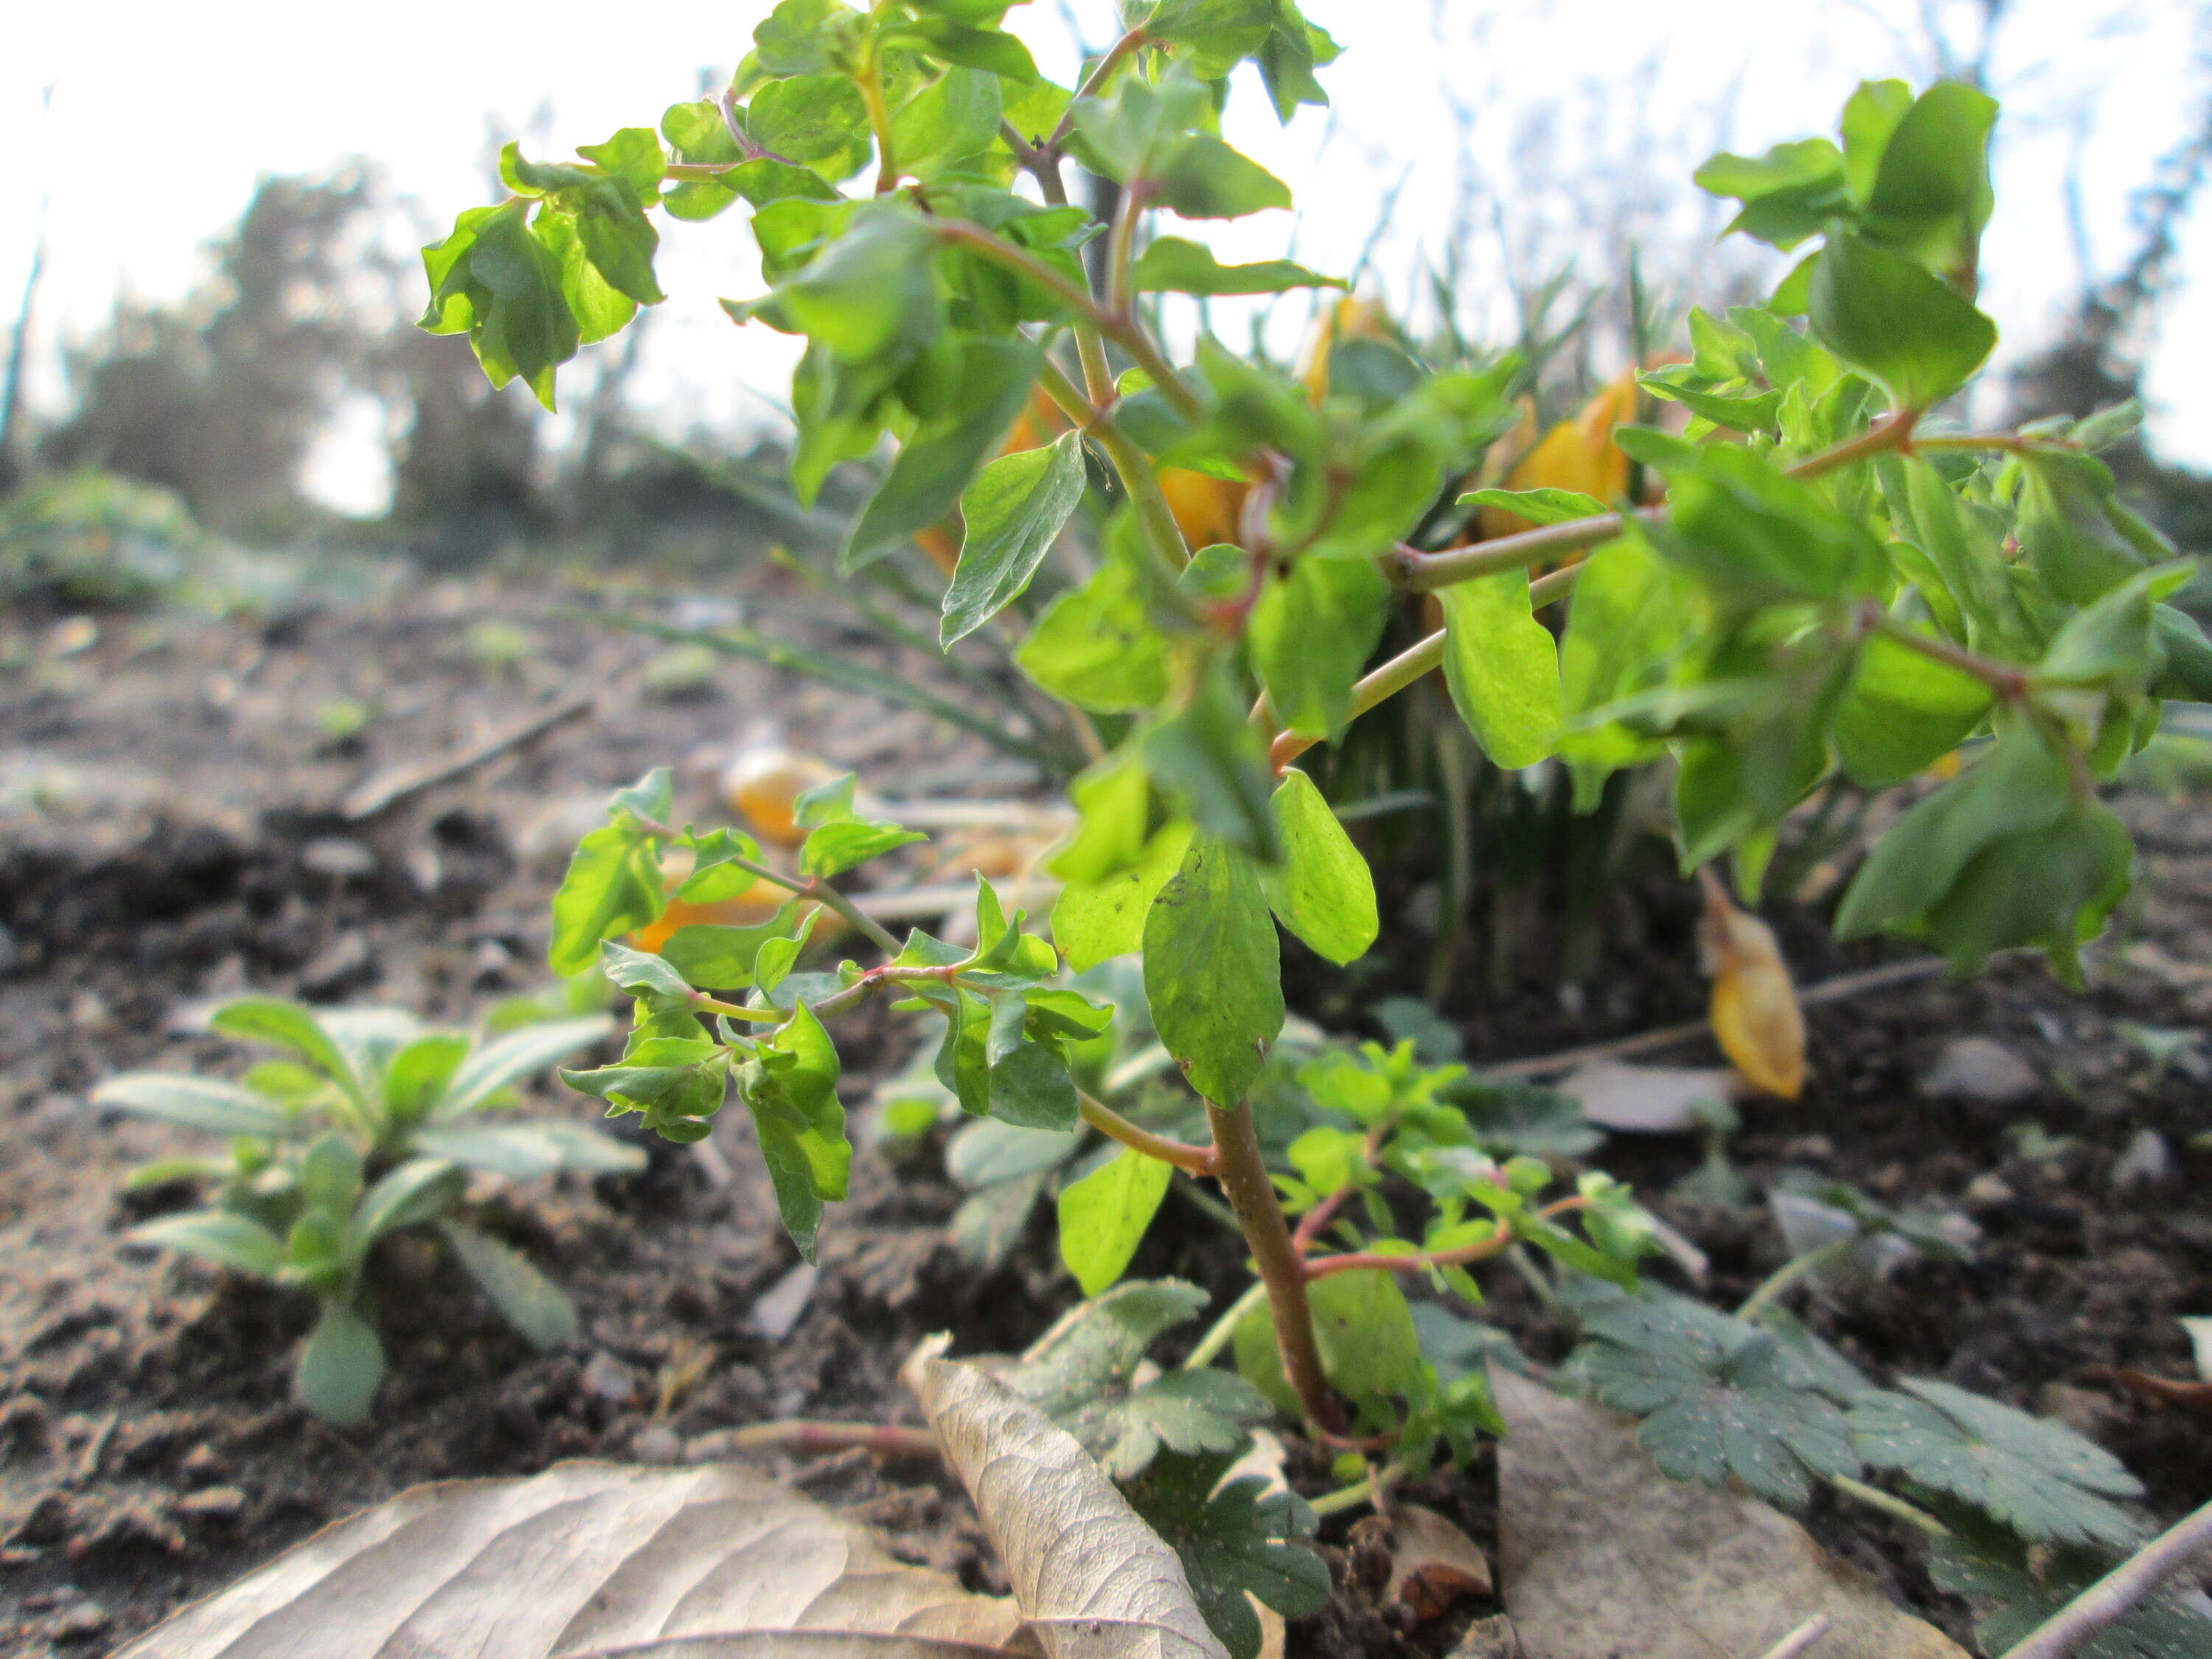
<point>513,1058</point>
<point>534,1305</point>
<point>340,1367</point>
<point>945,127</point>
<point>791,1088</point>
<point>419,1074</point>
<point>194,1102</point>
<point>1095,648</point>
<point>1213,970</point>
<point>1871,115</point>
<point>1095,920</point>
<point>1310,636</point>
<point>1904,711</point>
<point>1170,265</point>
<point>217,1236</point>
<point>1102,1217</point>
<point>1322,891</point>
<point>1207,180</point>
<point>1931,193</point>
<point>612,885</point>
<point>290,1026</point>
<point>1789,193</point>
<point>405,1195</point>
<point>1503,667</point>
<point>1014,513</point>
<point>527,1152</point>
<point>1538,507</point>
<point>815,120</point>
<point>1370,1348</point>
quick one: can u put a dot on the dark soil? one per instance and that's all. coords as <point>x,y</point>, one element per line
<point>166,836</point>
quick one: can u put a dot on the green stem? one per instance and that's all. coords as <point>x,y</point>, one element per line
<point>1379,686</point>
<point>1132,465</point>
<point>1912,1514</point>
<point>830,898</point>
<point>1192,1160</point>
<point>1125,332</point>
<point>1094,84</point>
<point>1377,1482</point>
<point>1122,250</point>
<point>1223,1331</point>
<point>2007,680</point>
<point>1791,1271</point>
<point>1242,1172</point>
<point>1425,572</point>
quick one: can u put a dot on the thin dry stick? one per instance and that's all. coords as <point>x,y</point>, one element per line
<point>884,1439</point>
<point>2073,1624</point>
<point>1828,990</point>
<point>1801,1640</point>
<point>380,795</point>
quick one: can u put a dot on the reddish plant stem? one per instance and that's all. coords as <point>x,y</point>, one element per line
<point>1242,1173</point>
<point>1192,1160</point>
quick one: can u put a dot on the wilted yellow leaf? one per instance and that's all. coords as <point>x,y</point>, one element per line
<point>1755,1016</point>
<point>765,780</point>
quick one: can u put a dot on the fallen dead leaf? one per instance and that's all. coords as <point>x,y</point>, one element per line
<point>1433,1562</point>
<point>585,1559</point>
<point>1647,1099</point>
<point>1093,1580</point>
<point>2195,1397</point>
<point>1602,1555</point>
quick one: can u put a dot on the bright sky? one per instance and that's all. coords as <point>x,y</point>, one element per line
<point>163,116</point>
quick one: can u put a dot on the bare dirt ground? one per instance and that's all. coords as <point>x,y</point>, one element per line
<point>168,836</point>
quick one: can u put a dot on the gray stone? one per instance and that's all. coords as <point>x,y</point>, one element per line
<point>1976,1069</point>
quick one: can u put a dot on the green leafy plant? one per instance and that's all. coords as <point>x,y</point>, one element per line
<point>368,1127</point>
<point>1837,586</point>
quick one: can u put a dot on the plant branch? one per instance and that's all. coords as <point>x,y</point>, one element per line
<point>1223,1331</point>
<point>2075,1625</point>
<point>2007,680</point>
<point>1192,1160</point>
<point>1425,572</point>
<point>813,887</point>
<point>1124,331</point>
<point>886,1439</point>
<point>1094,84</point>
<point>1121,251</point>
<point>1242,1172</point>
<point>1421,1261</point>
<point>1377,686</point>
<point>1370,1490</point>
<point>1131,464</point>
<point>1889,1503</point>
<point>1772,1287</point>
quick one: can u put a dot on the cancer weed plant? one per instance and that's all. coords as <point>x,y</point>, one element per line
<point>1837,584</point>
<point>370,1125</point>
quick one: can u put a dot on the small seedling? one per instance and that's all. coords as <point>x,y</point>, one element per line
<point>368,1127</point>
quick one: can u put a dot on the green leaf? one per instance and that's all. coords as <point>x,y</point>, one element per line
<point>2080,539</point>
<point>814,120</point>
<point>405,1195</point>
<point>1214,972</point>
<point>1207,180</point>
<point>1287,61</point>
<point>1503,667</point>
<point>419,1074</point>
<point>1789,193</point>
<point>218,1235</point>
<point>1322,891</point>
<point>838,838</point>
<point>1903,712</point>
<point>526,1151</point>
<point>1311,632</point>
<point>495,281</point>
<point>716,957</point>
<point>992,49</point>
<point>1931,192</point>
<point>1718,1397</point>
<point>2052,886</point>
<point>1538,507</point>
<point>947,127</point>
<point>1370,1347</point>
<point>2019,1587</point>
<point>534,1305</point>
<point>1081,1373</point>
<point>802,37</point>
<point>646,977</point>
<point>1888,318</point>
<point>2018,785</point>
<point>513,1058</point>
<point>1170,265</point>
<point>1102,1217</point>
<point>2032,1474</point>
<point>1871,115</point>
<point>791,1088</point>
<point>612,886</point>
<point>1095,920</point>
<point>340,1367</point>
<point>1030,1086</point>
<point>1755,537</point>
<point>1095,648</point>
<point>1234,1540</point>
<point>194,1102</point>
<point>1630,616</point>
<point>873,289</point>
<point>290,1026</point>
<point>1014,513</point>
<point>1210,762</point>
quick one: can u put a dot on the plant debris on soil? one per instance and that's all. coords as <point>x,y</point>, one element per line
<point>170,835</point>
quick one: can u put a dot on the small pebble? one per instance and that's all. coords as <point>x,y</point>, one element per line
<point>2146,1162</point>
<point>607,1379</point>
<point>1988,1191</point>
<point>1978,1069</point>
<point>337,856</point>
<point>779,1309</point>
<point>659,1445</point>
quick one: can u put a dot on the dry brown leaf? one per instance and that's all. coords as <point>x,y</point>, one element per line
<point>2190,1396</point>
<point>1647,1099</point>
<point>1433,1562</point>
<point>1602,1555</point>
<point>709,1563</point>
<point>1093,1581</point>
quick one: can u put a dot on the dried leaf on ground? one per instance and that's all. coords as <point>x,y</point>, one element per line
<point>1755,1012</point>
<point>1601,1554</point>
<point>1433,1562</point>
<point>1093,1581</point>
<point>583,1559</point>
<point>1647,1099</point>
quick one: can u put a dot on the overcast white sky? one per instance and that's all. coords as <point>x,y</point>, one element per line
<point>163,116</point>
